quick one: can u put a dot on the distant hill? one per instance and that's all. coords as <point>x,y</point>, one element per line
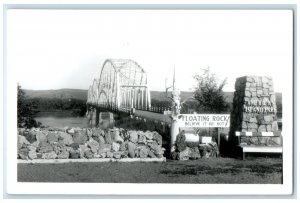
<point>60,93</point>
<point>82,94</point>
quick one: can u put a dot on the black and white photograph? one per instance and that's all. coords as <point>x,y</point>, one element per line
<point>137,100</point>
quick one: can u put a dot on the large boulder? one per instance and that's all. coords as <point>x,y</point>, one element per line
<point>94,145</point>
<point>156,149</point>
<point>30,135</point>
<point>151,154</point>
<point>63,155</point>
<point>66,138</point>
<point>104,148</point>
<point>49,155</point>
<point>148,135</point>
<point>52,137</point>
<point>88,154</point>
<point>133,136</point>
<point>45,149</point>
<point>108,139</point>
<point>131,149</point>
<point>116,136</point>
<point>75,155</point>
<point>117,155</point>
<point>157,137</point>
<point>124,146</point>
<point>23,153</point>
<point>75,146</point>
<point>142,139</point>
<point>115,147</point>
<point>109,155</point>
<point>41,136</point>
<point>80,137</point>
<point>82,149</point>
<point>180,142</point>
<point>143,152</point>
<point>194,153</point>
<point>184,155</point>
<point>22,140</point>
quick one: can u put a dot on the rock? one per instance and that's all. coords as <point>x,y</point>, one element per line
<point>97,132</point>
<point>124,146</point>
<point>97,156</point>
<point>104,148</point>
<point>35,144</point>
<point>80,137</point>
<point>175,155</point>
<point>109,154</point>
<point>31,148</point>
<point>89,132</point>
<point>148,135</point>
<point>101,140</point>
<point>23,155</point>
<point>74,155</point>
<point>124,154</point>
<point>115,135</point>
<point>268,118</point>
<point>52,137</point>
<point>131,149</point>
<point>194,153</point>
<point>66,138</point>
<point>117,155</point>
<point>75,146</point>
<point>184,155</point>
<point>274,126</point>
<point>94,145</point>
<point>39,155</point>
<point>157,150</point>
<point>107,138</point>
<point>22,140</point>
<point>157,137</point>
<point>115,147</point>
<point>88,154</point>
<point>31,136</point>
<point>151,154</point>
<point>70,131</point>
<point>261,128</point>
<point>143,152</point>
<point>63,155</point>
<point>103,155</point>
<point>49,155</point>
<point>142,139</point>
<point>82,150</point>
<point>41,136</point>
<point>45,149</point>
<point>180,141</point>
<point>133,136</point>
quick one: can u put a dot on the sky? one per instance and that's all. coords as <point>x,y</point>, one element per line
<point>54,49</point>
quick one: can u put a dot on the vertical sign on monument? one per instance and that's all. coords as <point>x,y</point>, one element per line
<point>254,106</point>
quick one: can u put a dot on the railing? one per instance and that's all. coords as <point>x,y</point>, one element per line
<point>114,108</point>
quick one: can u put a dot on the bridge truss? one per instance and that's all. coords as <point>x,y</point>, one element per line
<point>122,85</point>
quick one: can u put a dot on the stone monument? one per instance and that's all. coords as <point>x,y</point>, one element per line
<point>254,106</point>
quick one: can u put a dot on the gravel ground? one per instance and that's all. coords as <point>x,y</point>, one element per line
<point>215,170</point>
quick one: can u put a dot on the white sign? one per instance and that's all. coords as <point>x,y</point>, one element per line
<point>204,120</point>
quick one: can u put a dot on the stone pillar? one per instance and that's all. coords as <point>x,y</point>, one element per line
<point>254,106</point>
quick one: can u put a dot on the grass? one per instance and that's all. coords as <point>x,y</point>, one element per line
<point>203,171</point>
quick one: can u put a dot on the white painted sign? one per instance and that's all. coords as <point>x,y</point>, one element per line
<point>204,120</point>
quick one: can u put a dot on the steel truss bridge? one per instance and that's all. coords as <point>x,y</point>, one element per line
<point>122,85</point>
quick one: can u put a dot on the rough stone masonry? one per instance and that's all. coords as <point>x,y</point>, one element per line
<point>254,105</point>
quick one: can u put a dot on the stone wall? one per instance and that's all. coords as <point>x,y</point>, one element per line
<point>254,105</point>
<point>88,143</point>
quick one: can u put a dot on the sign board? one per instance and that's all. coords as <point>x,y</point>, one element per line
<point>204,120</point>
